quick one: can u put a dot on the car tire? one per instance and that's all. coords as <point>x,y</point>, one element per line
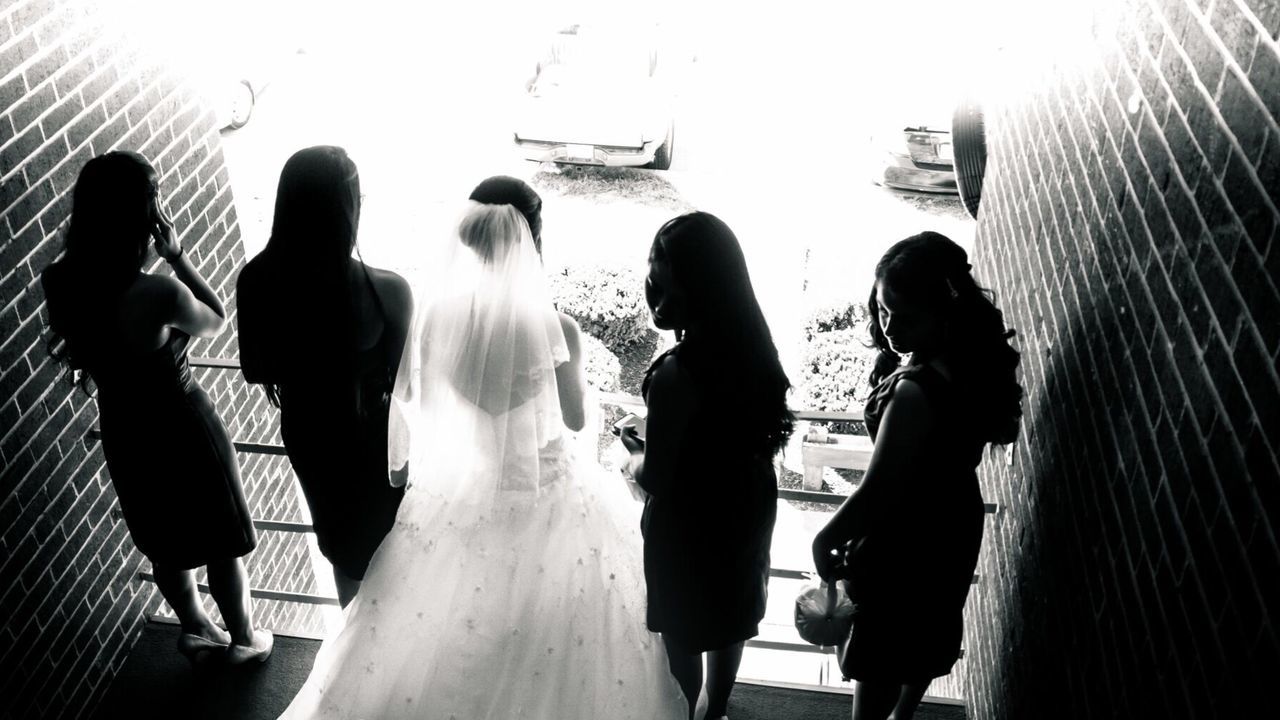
<point>662,157</point>
<point>242,102</point>
<point>969,144</point>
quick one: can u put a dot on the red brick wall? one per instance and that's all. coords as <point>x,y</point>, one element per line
<point>70,601</point>
<point>1129,226</point>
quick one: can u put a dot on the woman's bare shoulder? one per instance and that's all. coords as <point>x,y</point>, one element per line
<point>393,290</point>
<point>669,375</point>
<point>150,289</point>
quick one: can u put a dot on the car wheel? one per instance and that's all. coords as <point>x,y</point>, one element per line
<point>969,143</point>
<point>662,157</point>
<point>242,100</point>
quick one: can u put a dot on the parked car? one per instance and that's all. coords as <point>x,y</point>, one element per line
<point>600,96</point>
<point>918,157</point>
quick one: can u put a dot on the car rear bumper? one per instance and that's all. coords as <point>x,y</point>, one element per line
<point>602,155</point>
<point>901,173</point>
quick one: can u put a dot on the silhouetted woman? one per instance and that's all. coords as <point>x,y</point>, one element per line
<point>171,462</point>
<point>907,539</point>
<point>323,332</point>
<point>708,521</point>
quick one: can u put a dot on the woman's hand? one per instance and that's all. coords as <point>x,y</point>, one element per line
<point>167,246</point>
<point>399,478</point>
<point>631,440</point>
<point>827,555</point>
<point>635,446</point>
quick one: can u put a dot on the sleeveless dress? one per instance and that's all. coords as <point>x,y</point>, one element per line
<point>706,541</point>
<point>170,459</point>
<point>336,439</point>
<point>910,571</point>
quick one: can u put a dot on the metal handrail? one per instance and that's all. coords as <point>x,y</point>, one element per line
<point>281,595</point>
<point>826,498</point>
<point>622,400</point>
<point>241,445</point>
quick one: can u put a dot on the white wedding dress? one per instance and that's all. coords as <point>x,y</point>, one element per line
<point>511,585</point>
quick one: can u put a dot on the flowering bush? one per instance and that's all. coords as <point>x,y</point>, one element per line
<point>602,367</point>
<point>837,361</point>
<point>836,368</point>
<point>835,316</point>
<point>608,302</point>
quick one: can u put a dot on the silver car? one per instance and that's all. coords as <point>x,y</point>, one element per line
<point>599,97</point>
<point>919,157</point>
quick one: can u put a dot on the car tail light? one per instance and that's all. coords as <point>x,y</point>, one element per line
<point>929,147</point>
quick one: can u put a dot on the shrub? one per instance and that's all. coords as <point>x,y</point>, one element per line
<point>608,302</point>
<point>834,316</point>
<point>835,372</point>
<point>602,367</point>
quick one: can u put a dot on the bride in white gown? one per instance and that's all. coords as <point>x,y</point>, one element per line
<point>511,585</point>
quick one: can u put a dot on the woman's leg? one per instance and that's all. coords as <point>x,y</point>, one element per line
<point>686,668</point>
<point>347,588</point>
<point>875,700</point>
<point>909,700</point>
<point>178,587</point>
<point>229,586</point>
<point>722,670</point>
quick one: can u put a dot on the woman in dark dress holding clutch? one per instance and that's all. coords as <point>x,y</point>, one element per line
<point>907,539</point>
<point>323,332</point>
<point>171,462</point>
<point>708,520</point>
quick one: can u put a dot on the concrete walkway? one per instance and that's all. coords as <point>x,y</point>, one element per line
<point>158,682</point>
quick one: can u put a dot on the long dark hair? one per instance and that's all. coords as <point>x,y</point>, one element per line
<point>105,249</point>
<point>312,278</point>
<point>933,271</point>
<point>732,345</point>
<point>506,190</point>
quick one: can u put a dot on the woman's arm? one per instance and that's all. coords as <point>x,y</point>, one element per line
<point>194,307</point>
<point>890,475</point>
<point>397,305</point>
<point>254,360</point>
<point>571,379</point>
<point>672,401</point>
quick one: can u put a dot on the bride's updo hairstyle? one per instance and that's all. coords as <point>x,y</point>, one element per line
<point>506,190</point>
<point>492,231</point>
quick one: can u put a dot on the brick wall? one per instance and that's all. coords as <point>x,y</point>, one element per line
<point>71,87</point>
<point>1129,228</point>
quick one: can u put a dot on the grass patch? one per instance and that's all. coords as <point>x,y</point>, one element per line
<point>611,184</point>
<point>940,204</point>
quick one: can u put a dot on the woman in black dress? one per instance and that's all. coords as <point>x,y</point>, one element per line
<point>708,520</point>
<point>907,539</point>
<point>171,462</point>
<point>324,332</point>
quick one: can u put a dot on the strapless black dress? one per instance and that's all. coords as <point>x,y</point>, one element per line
<point>171,461</point>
